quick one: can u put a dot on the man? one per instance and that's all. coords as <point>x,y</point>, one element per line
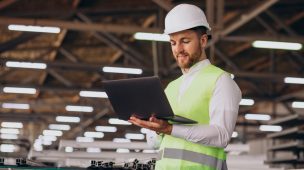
<point>203,93</point>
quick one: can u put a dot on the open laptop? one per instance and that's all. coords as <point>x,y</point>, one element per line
<point>141,97</point>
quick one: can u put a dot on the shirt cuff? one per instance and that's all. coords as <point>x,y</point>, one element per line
<point>179,131</point>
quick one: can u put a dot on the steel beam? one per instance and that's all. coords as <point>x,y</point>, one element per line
<point>61,156</point>
<point>250,38</point>
<point>68,54</point>
<point>11,44</point>
<point>65,66</point>
<point>6,3</point>
<point>242,20</point>
<point>71,25</point>
<point>114,42</point>
<point>164,4</point>
<point>85,124</point>
<point>226,59</point>
<point>102,145</point>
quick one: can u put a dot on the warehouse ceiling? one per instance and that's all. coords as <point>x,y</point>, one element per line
<point>99,33</point>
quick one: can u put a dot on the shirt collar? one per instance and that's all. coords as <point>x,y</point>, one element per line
<point>197,66</point>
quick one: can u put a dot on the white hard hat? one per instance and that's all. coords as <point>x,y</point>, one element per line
<point>183,17</point>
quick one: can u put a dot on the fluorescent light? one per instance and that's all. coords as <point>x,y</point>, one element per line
<point>19,64</point>
<point>19,90</point>
<point>84,139</point>
<point>69,149</point>
<point>106,128</point>
<point>121,140</point>
<point>270,128</point>
<point>8,136</point>
<point>151,36</point>
<point>232,76</point>
<point>47,138</point>
<point>9,131</point>
<point>38,147</point>
<point>234,134</point>
<point>294,80</point>
<point>122,70</point>
<point>93,150</point>
<point>121,150</point>
<point>7,148</point>
<point>247,102</point>
<point>52,133</point>
<point>59,127</point>
<point>12,124</point>
<point>31,28</point>
<point>149,151</point>
<point>69,119</point>
<point>135,136</point>
<point>46,142</point>
<point>98,94</point>
<point>94,134</point>
<point>115,121</point>
<point>277,45</point>
<point>71,108</point>
<point>144,130</point>
<point>257,117</point>
<point>38,141</point>
<point>297,104</point>
<point>15,106</point>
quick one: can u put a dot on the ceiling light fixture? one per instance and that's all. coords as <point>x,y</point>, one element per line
<point>93,134</point>
<point>247,102</point>
<point>12,124</point>
<point>122,70</point>
<point>297,104</point>
<point>136,136</point>
<point>97,94</point>
<point>59,127</point>
<point>93,150</point>
<point>270,128</point>
<point>69,119</point>
<point>9,131</point>
<point>151,36</point>
<point>15,106</point>
<point>19,64</point>
<point>72,108</point>
<point>19,90</point>
<point>31,28</point>
<point>106,128</point>
<point>257,117</point>
<point>294,80</point>
<point>52,133</point>
<point>8,136</point>
<point>115,121</point>
<point>121,140</point>
<point>235,134</point>
<point>84,139</point>
<point>277,45</point>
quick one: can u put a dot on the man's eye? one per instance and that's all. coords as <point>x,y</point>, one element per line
<point>186,41</point>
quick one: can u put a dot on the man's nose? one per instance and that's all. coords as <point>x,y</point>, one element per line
<point>179,48</point>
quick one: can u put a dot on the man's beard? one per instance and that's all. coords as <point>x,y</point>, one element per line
<point>192,59</point>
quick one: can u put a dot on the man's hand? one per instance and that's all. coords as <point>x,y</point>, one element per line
<point>158,125</point>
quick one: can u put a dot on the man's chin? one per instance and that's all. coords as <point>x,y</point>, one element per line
<point>184,66</point>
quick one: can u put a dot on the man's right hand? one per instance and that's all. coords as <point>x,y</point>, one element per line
<point>158,125</point>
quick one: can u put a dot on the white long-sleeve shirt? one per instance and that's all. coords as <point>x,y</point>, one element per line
<point>223,111</point>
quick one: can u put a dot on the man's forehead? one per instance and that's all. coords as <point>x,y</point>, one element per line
<point>182,34</point>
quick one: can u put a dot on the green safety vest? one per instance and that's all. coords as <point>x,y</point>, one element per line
<point>178,153</point>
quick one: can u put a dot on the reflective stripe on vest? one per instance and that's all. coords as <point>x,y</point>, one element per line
<point>191,156</point>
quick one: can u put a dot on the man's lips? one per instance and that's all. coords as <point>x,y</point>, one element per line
<point>182,57</point>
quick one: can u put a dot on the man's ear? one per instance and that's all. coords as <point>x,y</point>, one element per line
<point>204,40</point>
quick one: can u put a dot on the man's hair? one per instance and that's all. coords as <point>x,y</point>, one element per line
<point>200,30</point>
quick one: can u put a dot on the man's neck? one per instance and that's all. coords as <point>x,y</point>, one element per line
<point>196,66</point>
